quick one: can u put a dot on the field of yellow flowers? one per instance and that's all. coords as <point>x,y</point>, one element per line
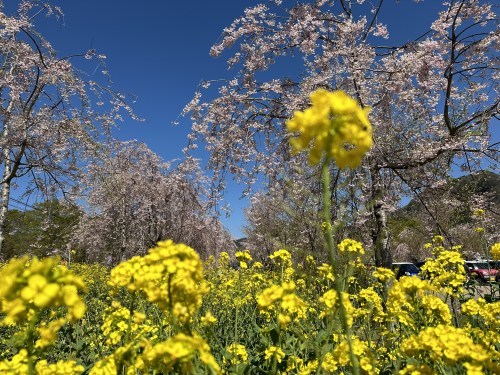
<point>167,312</point>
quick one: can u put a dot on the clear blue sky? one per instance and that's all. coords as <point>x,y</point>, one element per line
<point>159,51</point>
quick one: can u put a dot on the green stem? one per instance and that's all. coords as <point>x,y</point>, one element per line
<point>30,348</point>
<point>338,283</point>
<point>346,328</point>
<point>236,325</point>
<point>130,317</point>
<point>454,310</point>
<point>236,335</point>
<point>327,218</point>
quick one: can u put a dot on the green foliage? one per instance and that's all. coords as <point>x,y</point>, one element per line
<point>43,230</point>
<point>448,210</point>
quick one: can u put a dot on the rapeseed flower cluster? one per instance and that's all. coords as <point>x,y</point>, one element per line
<point>444,345</point>
<point>330,305</point>
<point>411,302</point>
<point>483,322</point>
<point>59,368</point>
<point>274,352</point>
<point>495,251</point>
<point>29,286</point>
<point>325,272</point>
<point>446,271</point>
<point>208,319</point>
<point>272,320</point>
<point>119,322</point>
<point>123,360</point>
<point>339,357</point>
<point>281,257</point>
<point>369,305</point>
<point>39,297</point>
<point>282,300</point>
<point>18,365</point>
<point>488,312</point>
<point>178,352</point>
<point>296,365</point>
<point>350,246</point>
<point>171,276</point>
<point>236,354</point>
<point>383,275</point>
<point>334,124</point>
<point>244,258</point>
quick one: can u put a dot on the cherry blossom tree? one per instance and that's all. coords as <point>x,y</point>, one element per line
<point>432,100</point>
<point>135,199</point>
<point>277,220</point>
<point>50,122</point>
<point>289,213</point>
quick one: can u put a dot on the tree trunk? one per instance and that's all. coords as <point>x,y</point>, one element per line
<point>123,232</point>
<point>6,181</point>
<point>6,176</point>
<point>380,232</point>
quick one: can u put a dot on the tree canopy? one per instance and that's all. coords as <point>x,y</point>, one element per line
<point>432,100</point>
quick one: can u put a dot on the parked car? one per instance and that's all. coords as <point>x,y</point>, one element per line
<point>481,270</point>
<point>404,269</point>
<point>420,264</point>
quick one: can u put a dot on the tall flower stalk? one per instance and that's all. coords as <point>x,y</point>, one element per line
<point>334,128</point>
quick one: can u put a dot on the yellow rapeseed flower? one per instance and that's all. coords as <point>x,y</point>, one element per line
<point>178,350</point>
<point>340,356</point>
<point>329,364</point>
<point>118,322</point>
<point>383,274</point>
<point>351,246</point>
<point>238,353</point>
<point>48,332</point>
<point>444,343</point>
<point>369,305</point>
<point>18,365</point>
<point>59,368</point>
<point>281,257</point>
<point>479,212</point>
<point>405,299</point>
<point>32,285</point>
<point>489,312</point>
<point>330,305</point>
<point>446,271</point>
<point>243,256</point>
<point>171,275</point>
<point>274,352</point>
<point>282,298</point>
<point>495,251</point>
<point>269,295</point>
<point>334,124</point>
<point>420,369</point>
<point>208,319</point>
<point>438,239</point>
<point>325,272</point>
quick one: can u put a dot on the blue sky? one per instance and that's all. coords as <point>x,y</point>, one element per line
<point>159,51</point>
